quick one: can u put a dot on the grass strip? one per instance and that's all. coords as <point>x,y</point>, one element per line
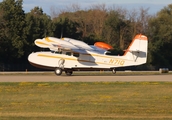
<point>88,101</point>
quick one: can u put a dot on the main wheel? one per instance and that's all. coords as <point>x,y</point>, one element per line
<point>113,71</point>
<point>58,71</point>
<point>69,72</point>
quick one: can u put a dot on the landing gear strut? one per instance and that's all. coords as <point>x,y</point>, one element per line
<point>113,71</point>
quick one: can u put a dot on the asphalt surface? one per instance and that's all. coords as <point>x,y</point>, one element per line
<point>53,78</point>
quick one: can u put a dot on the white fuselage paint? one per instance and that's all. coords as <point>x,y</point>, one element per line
<point>87,60</point>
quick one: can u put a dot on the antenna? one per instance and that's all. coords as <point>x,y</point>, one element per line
<point>61,33</point>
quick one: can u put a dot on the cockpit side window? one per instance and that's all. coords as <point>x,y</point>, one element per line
<point>76,54</point>
<point>56,52</point>
<point>68,53</point>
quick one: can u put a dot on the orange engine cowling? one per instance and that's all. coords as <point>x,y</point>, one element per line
<point>103,45</point>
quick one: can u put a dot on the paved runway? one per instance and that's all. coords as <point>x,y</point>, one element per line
<point>53,78</point>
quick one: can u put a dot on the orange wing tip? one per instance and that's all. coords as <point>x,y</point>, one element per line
<point>103,45</point>
<point>141,37</point>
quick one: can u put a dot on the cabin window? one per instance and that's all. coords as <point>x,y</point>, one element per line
<point>68,53</point>
<point>57,52</point>
<point>76,54</point>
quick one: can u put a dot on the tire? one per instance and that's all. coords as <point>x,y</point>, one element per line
<point>69,72</point>
<point>58,71</point>
<point>113,71</point>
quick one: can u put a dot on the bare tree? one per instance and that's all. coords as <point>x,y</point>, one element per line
<point>139,21</point>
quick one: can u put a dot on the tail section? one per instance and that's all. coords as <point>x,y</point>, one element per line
<point>137,51</point>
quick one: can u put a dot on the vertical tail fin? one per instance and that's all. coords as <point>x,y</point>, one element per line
<point>137,51</point>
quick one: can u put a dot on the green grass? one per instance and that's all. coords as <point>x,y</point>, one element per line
<point>86,101</point>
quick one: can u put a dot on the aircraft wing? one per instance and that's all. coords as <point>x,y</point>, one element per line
<point>98,47</point>
<point>56,44</point>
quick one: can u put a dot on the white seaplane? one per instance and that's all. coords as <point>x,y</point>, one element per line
<point>70,55</point>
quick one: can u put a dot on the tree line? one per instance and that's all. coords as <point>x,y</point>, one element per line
<point>114,25</point>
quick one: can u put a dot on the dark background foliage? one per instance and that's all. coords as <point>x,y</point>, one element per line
<point>115,26</point>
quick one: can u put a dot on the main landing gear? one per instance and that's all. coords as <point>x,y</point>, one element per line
<point>58,71</point>
<point>68,72</point>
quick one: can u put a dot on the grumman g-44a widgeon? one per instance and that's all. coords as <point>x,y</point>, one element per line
<point>70,55</point>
